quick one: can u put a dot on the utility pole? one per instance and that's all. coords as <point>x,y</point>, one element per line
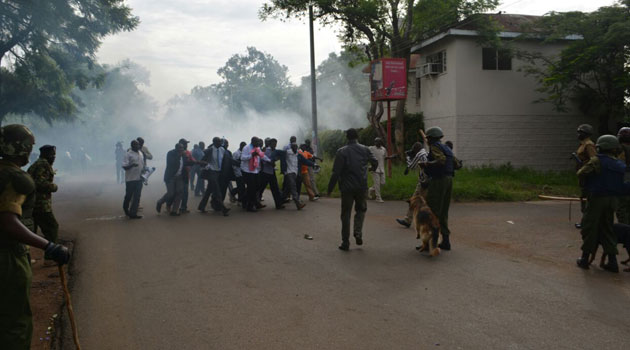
<point>315,140</point>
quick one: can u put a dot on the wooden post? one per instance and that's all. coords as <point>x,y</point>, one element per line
<point>66,293</point>
<point>389,139</point>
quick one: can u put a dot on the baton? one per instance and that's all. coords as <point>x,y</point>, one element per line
<point>66,293</point>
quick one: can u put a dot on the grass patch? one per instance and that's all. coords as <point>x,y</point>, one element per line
<point>487,183</point>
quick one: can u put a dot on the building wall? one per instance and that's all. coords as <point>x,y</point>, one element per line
<point>490,115</point>
<point>439,92</point>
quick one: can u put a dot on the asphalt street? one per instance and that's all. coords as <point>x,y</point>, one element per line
<point>252,281</point>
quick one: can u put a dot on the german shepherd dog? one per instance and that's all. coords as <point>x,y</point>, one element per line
<point>622,231</point>
<point>427,225</point>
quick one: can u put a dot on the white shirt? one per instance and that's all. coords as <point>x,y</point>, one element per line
<point>379,154</point>
<point>133,174</point>
<point>181,166</point>
<point>246,155</point>
<point>292,162</point>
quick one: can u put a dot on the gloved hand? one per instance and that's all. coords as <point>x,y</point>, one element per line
<point>406,171</point>
<point>57,252</point>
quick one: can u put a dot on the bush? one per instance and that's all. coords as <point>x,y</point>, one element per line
<point>331,140</point>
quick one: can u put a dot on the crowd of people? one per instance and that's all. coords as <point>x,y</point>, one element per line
<point>214,172</point>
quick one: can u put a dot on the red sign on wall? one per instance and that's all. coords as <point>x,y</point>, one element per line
<point>388,79</point>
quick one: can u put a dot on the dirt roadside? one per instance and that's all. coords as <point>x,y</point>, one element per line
<point>47,302</point>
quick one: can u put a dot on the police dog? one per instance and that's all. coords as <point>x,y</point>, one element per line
<point>622,231</point>
<point>427,225</point>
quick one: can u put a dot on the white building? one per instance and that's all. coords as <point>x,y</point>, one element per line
<point>485,105</point>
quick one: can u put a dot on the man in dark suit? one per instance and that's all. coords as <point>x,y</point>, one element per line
<point>174,178</point>
<point>219,164</point>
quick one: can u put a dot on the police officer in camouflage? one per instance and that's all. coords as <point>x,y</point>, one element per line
<point>43,174</point>
<point>602,179</point>
<point>440,169</point>
<point>623,212</point>
<point>16,322</point>
<point>586,151</point>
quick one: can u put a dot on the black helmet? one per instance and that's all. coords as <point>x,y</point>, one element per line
<point>585,129</point>
<point>607,142</point>
<point>435,132</point>
<point>624,134</point>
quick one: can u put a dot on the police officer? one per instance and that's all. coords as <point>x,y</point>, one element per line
<point>440,170</point>
<point>586,151</point>
<point>16,324</point>
<point>602,179</point>
<point>623,212</point>
<point>43,174</point>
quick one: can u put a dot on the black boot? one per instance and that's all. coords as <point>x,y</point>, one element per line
<point>582,262</point>
<point>446,243</point>
<point>612,264</point>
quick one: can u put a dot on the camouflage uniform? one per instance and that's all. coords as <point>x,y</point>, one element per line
<point>623,212</point>
<point>585,152</point>
<point>16,323</point>
<point>43,174</point>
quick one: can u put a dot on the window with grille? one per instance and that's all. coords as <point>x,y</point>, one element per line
<point>493,59</point>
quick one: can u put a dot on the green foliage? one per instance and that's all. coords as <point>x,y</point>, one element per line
<point>488,183</point>
<point>432,16</point>
<point>593,71</point>
<point>255,80</point>
<point>47,48</point>
<point>331,140</point>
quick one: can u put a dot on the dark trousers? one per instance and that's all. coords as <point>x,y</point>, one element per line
<point>48,224</point>
<point>133,190</point>
<point>240,188</point>
<point>194,172</point>
<point>290,187</point>
<point>200,187</point>
<point>184,204</point>
<point>251,196</point>
<point>348,199</point>
<point>174,193</point>
<point>272,181</point>
<point>214,189</point>
<point>439,200</point>
<point>597,225</point>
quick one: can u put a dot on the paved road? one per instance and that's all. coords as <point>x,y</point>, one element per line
<point>252,280</point>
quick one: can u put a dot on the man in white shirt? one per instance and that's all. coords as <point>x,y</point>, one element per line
<point>290,175</point>
<point>380,153</point>
<point>251,161</point>
<point>133,163</point>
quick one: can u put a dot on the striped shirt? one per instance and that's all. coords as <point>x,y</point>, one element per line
<point>414,163</point>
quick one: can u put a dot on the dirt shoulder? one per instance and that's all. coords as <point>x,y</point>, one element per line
<point>47,302</point>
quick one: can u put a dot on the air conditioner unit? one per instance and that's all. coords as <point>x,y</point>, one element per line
<point>429,69</point>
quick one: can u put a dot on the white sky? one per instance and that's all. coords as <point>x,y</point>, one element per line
<point>184,42</point>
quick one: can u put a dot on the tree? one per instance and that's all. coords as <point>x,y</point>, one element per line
<point>593,72</point>
<point>47,48</point>
<point>380,28</point>
<point>255,80</point>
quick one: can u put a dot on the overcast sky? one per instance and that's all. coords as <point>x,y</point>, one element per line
<point>184,42</point>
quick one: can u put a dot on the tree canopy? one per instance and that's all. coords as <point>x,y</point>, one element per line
<point>255,80</point>
<point>47,47</point>
<point>592,72</point>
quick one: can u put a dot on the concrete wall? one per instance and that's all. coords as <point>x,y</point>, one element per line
<point>490,115</point>
<point>439,92</point>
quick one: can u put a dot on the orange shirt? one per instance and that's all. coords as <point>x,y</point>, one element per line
<point>307,155</point>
